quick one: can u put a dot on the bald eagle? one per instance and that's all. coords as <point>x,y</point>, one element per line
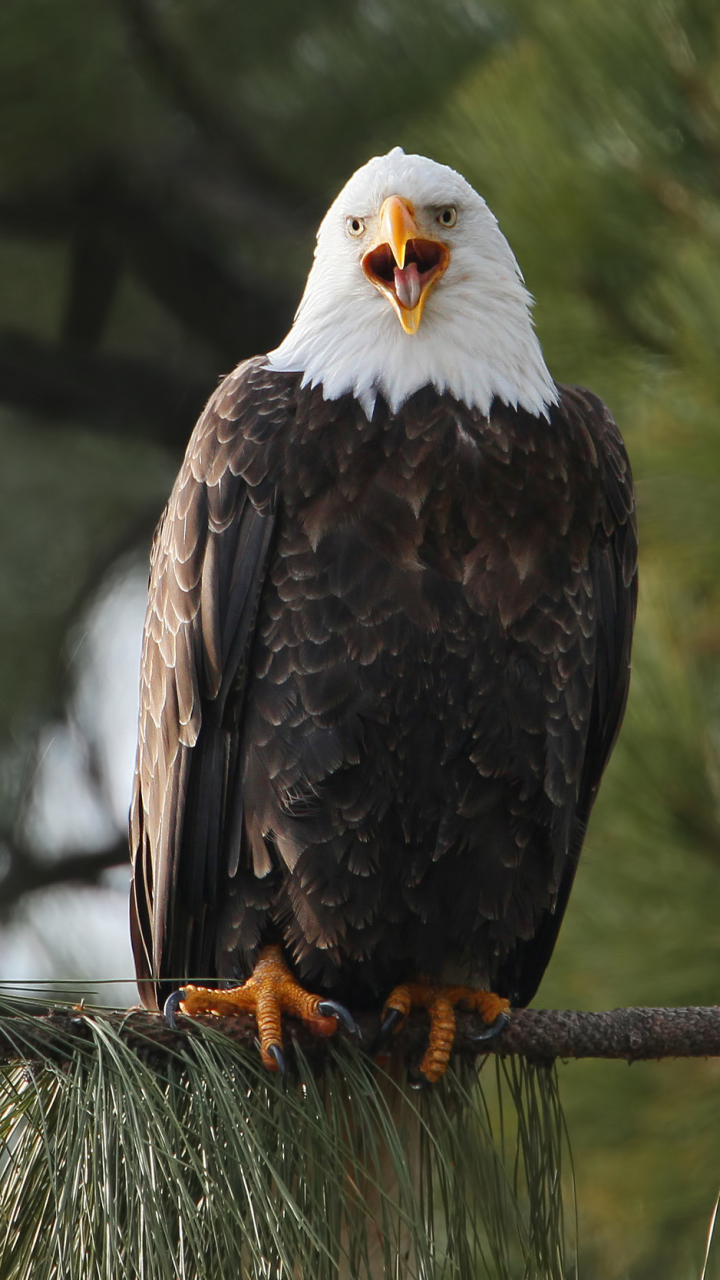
<point>387,646</point>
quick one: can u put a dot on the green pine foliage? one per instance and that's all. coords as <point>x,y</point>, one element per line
<point>114,1168</point>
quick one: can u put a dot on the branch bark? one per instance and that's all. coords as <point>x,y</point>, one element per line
<point>538,1034</point>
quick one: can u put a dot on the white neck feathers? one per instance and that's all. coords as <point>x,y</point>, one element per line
<point>476,340</point>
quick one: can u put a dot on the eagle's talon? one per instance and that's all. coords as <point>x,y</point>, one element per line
<point>269,992</point>
<point>276,1052</point>
<point>332,1009</point>
<point>440,1001</point>
<point>392,1020</point>
<point>501,1022</point>
<point>417,1080</point>
<point>171,1006</point>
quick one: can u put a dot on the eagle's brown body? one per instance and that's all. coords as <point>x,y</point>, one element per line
<point>385,663</point>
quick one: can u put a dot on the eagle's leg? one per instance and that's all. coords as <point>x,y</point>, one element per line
<point>269,992</point>
<point>441,1002</point>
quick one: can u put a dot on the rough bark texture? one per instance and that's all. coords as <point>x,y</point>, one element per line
<point>538,1034</point>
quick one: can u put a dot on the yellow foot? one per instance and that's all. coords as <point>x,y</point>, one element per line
<point>440,1002</point>
<point>268,993</point>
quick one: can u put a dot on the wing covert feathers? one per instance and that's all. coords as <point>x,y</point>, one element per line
<point>207,566</point>
<point>611,608</point>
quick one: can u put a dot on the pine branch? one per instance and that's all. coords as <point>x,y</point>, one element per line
<point>540,1035</point>
<point>216,1170</point>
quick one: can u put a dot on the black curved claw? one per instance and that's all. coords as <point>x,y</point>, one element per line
<point>331,1009</point>
<point>493,1030</point>
<point>276,1052</point>
<point>390,1022</point>
<point>171,1006</point>
<point>418,1080</point>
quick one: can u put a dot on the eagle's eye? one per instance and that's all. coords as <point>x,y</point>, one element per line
<point>448,216</point>
<point>355,226</point>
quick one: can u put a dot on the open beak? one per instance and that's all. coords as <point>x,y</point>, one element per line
<point>403,263</point>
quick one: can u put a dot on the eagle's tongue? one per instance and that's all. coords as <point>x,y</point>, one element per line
<point>407,286</point>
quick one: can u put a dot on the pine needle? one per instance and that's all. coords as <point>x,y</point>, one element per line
<point>114,1170</point>
<point>710,1237</point>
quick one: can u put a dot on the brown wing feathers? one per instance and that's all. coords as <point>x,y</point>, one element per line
<point>612,571</point>
<point>207,567</point>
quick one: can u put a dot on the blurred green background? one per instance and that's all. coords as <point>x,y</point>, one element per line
<point>163,167</point>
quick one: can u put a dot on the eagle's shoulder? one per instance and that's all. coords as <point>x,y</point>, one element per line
<point>238,426</point>
<point>224,492</point>
<point>583,411</point>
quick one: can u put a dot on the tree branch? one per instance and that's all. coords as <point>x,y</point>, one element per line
<point>633,1034</point>
<point>20,873</point>
<point>160,243</point>
<point>107,392</point>
<point>185,272</point>
<point>95,273</point>
<point>539,1034</point>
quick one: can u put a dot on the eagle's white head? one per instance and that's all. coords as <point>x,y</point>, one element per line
<point>414,284</point>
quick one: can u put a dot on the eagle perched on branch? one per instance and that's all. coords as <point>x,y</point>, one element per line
<point>387,645</point>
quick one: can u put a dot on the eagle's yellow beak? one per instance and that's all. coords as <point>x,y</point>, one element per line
<point>403,263</point>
